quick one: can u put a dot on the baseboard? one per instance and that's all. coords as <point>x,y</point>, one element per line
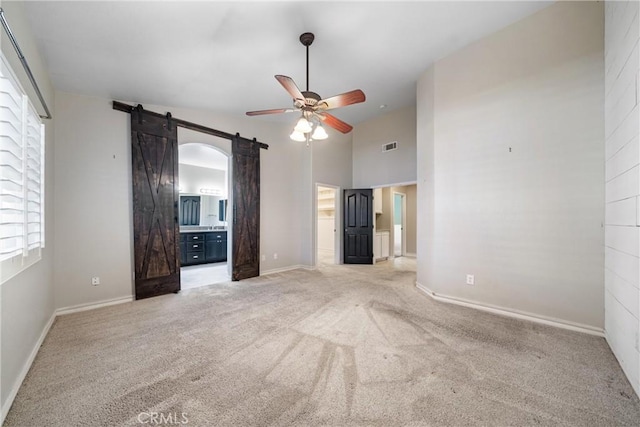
<point>25,369</point>
<point>288,268</point>
<point>93,305</point>
<point>45,331</point>
<point>410,255</point>
<point>516,314</point>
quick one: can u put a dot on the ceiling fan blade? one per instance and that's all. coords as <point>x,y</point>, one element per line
<point>273,111</point>
<point>291,87</point>
<point>335,122</point>
<point>342,100</point>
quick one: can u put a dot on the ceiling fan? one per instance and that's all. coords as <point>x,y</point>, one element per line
<point>312,107</point>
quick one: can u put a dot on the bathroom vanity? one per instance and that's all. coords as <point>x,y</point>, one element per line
<point>200,246</point>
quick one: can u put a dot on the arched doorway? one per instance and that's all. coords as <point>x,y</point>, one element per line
<point>204,187</point>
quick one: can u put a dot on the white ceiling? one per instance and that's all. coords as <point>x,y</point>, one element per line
<point>202,155</point>
<point>222,56</point>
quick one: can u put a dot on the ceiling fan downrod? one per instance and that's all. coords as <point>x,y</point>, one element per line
<point>306,39</point>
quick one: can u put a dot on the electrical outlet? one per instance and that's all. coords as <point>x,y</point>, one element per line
<point>264,257</point>
<point>275,256</point>
<point>95,281</point>
<point>471,280</point>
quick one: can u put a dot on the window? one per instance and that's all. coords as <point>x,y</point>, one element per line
<point>21,171</point>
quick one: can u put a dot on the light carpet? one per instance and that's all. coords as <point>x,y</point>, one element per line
<point>340,346</point>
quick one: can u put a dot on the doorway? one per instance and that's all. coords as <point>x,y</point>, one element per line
<point>399,221</point>
<point>326,225</point>
<point>395,221</point>
<point>203,186</point>
<point>157,239</point>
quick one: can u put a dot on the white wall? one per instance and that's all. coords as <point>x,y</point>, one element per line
<point>27,302</point>
<point>93,201</point>
<point>622,177</point>
<point>510,161</point>
<point>425,194</point>
<point>193,178</point>
<point>372,167</point>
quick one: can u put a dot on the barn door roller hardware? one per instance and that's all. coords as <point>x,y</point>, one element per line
<point>172,121</point>
<point>25,65</point>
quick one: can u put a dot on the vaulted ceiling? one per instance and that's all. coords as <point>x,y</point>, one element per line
<point>223,56</point>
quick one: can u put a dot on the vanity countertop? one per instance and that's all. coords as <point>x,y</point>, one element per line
<point>201,230</point>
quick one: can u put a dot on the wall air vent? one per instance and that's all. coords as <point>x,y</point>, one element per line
<point>390,146</point>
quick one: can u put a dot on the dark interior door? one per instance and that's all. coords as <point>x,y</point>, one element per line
<point>156,234</point>
<point>358,226</point>
<point>246,209</point>
<point>189,210</point>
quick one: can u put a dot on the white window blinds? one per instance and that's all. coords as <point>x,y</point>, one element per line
<point>21,170</point>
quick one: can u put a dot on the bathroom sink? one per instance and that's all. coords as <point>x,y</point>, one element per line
<point>191,228</point>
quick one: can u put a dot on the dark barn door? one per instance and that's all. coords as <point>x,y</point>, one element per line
<point>358,227</point>
<point>154,155</point>
<point>246,209</point>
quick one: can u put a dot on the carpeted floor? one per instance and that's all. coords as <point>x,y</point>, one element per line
<point>344,345</point>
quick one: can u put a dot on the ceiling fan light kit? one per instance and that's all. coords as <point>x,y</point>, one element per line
<point>319,133</point>
<point>298,136</point>
<point>303,126</point>
<point>313,107</point>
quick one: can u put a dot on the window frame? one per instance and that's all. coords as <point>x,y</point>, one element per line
<point>32,178</point>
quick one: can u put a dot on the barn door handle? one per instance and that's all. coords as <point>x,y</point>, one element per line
<point>234,214</point>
